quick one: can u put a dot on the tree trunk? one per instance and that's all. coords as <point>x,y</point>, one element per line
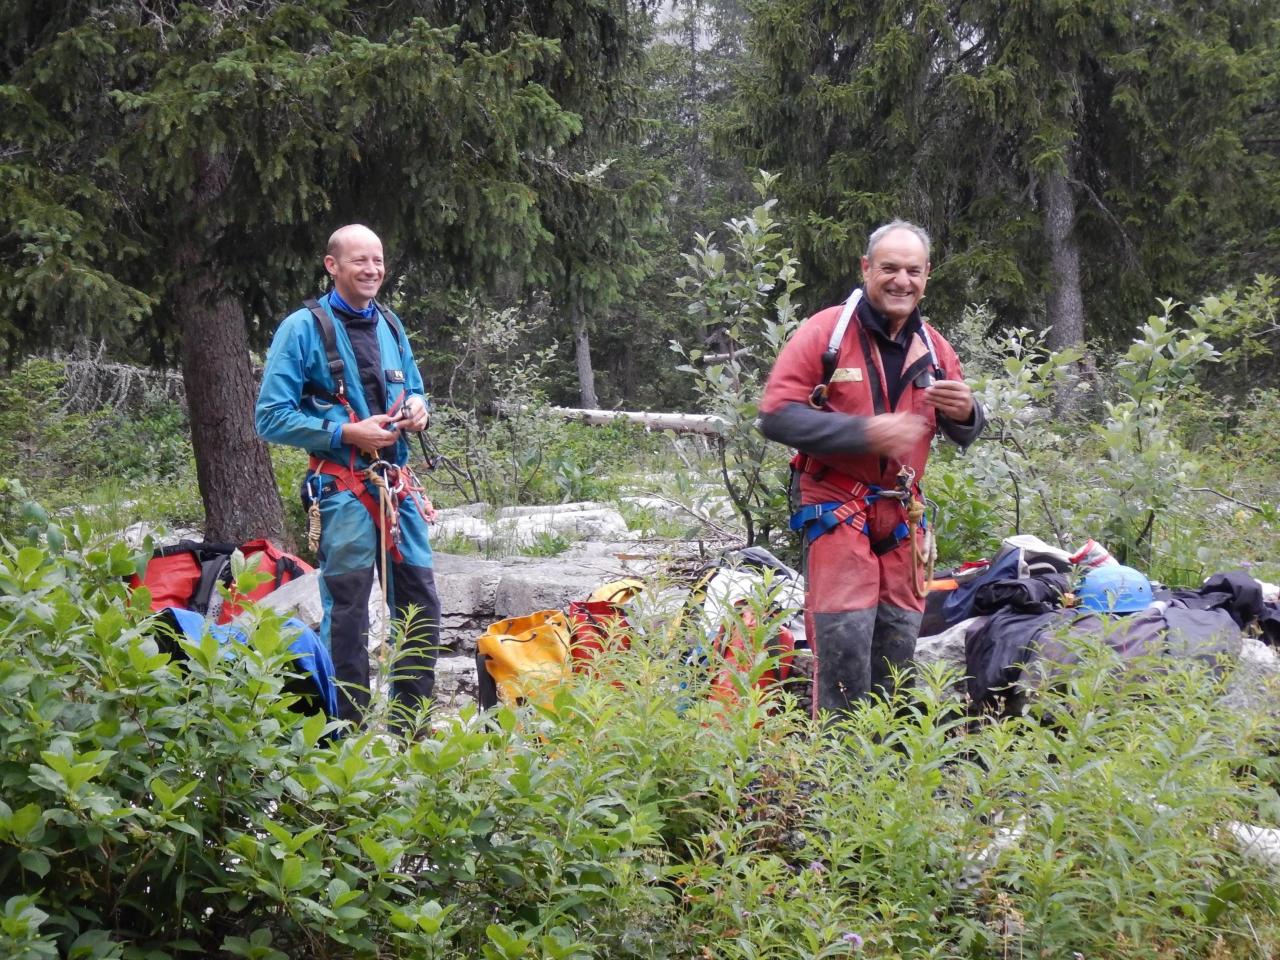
<point>237,483</point>
<point>582,349</point>
<point>1065,306</point>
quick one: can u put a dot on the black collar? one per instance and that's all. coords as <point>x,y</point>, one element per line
<point>877,323</point>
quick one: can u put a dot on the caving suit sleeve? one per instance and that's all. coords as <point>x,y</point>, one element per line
<point>280,415</point>
<point>785,414</point>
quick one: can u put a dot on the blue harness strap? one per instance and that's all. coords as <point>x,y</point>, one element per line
<point>817,519</point>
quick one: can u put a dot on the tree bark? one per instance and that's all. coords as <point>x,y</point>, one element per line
<point>1065,306</point>
<point>233,468</point>
<point>582,350</point>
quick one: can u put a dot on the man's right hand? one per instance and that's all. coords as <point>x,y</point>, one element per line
<point>371,434</point>
<point>895,434</point>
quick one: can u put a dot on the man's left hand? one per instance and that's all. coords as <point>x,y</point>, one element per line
<point>952,398</point>
<point>415,416</point>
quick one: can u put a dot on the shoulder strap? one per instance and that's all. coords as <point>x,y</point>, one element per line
<point>394,322</point>
<point>390,317</point>
<point>330,338</point>
<point>818,395</point>
<point>832,353</point>
<point>928,345</point>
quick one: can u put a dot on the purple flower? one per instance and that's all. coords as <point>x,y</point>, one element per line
<point>853,940</point>
<point>817,867</point>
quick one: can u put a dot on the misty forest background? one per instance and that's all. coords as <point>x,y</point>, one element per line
<point>568,192</point>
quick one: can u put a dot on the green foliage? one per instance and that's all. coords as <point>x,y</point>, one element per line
<point>910,835</point>
<point>961,115</point>
<point>1141,474</point>
<point>100,459</point>
<point>742,297</point>
<point>494,434</point>
<point>499,443</point>
<point>152,808</point>
<point>166,157</point>
<point>155,807</point>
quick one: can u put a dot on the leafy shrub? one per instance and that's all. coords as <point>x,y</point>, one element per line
<point>743,297</point>
<point>156,810</point>
<point>151,809</point>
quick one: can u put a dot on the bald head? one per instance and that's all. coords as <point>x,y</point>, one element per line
<point>352,231</point>
<point>354,261</point>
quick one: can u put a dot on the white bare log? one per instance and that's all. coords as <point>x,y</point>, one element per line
<point>677,422</point>
<point>707,359</point>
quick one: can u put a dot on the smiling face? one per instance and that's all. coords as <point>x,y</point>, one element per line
<point>895,275</point>
<point>355,263</point>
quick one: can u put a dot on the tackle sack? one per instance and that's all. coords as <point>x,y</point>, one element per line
<point>788,667</point>
<point>186,575</point>
<point>523,659</point>
<point>264,557</point>
<point>722,608</point>
<point>599,622</point>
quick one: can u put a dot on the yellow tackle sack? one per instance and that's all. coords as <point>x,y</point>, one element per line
<point>523,659</point>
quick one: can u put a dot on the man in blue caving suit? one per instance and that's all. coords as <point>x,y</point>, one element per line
<point>341,382</point>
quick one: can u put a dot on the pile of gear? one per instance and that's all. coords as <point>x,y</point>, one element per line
<point>1027,616</point>
<point>192,591</point>
<point>747,594</point>
<point>1025,619</point>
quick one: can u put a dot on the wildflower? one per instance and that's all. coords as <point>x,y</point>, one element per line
<point>853,940</point>
<point>817,867</point>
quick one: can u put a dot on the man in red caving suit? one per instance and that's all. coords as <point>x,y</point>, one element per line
<point>861,404</point>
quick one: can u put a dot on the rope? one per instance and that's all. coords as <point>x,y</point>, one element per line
<point>921,556</point>
<point>313,527</point>
<point>924,555</point>
<point>388,504</point>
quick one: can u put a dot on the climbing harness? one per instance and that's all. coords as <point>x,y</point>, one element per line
<point>380,487</point>
<point>817,519</point>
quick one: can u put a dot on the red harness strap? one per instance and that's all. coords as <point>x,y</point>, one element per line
<point>403,484</point>
<point>855,489</point>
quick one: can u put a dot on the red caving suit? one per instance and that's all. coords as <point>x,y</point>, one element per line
<point>861,610</point>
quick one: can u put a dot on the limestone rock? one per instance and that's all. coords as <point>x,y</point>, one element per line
<point>301,598</point>
<point>135,534</point>
<point>1256,680</point>
<point>455,683</point>
<point>533,511</point>
<point>946,648</point>
<point>475,529</point>
<point>601,523</point>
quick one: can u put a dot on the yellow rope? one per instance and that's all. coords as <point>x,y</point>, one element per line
<point>386,505</point>
<point>920,556</point>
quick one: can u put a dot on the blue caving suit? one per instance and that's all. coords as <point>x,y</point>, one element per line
<point>296,406</point>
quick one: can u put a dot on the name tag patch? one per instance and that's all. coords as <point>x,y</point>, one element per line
<point>847,375</point>
<point>395,376</point>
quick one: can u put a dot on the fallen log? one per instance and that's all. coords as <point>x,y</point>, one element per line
<point>704,423</point>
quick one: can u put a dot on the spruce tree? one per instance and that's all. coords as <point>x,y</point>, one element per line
<point>176,168</point>
<point>1072,158</point>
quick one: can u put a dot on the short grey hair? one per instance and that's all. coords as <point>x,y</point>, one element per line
<point>879,233</point>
